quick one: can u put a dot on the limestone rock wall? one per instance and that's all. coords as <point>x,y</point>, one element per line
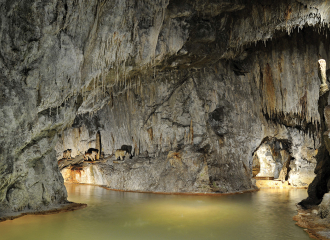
<point>222,113</point>
<point>148,72</point>
<point>184,109</point>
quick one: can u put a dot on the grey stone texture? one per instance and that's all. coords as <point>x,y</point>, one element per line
<point>205,80</point>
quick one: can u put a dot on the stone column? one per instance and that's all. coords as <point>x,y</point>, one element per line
<point>322,68</point>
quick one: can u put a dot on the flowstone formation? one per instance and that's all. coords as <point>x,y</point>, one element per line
<point>191,87</point>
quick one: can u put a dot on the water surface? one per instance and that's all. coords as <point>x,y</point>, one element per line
<point>266,214</point>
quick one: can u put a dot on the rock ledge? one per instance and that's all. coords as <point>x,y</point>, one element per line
<point>69,206</point>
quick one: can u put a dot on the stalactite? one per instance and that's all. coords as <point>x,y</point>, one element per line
<point>97,89</point>
<point>191,133</point>
<point>125,72</point>
<point>154,72</point>
<point>185,138</point>
<point>117,75</point>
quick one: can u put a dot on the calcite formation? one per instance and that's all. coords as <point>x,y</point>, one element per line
<point>271,158</point>
<point>324,86</point>
<point>193,87</point>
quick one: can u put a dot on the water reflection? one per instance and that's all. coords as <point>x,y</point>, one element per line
<point>118,215</point>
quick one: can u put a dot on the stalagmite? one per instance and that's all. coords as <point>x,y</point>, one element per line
<point>185,137</point>
<point>97,90</point>
<point>117,79</point>
<point>191,133</point>
<point>125,72</point>
<point>103,92</point>
<point>322,69</point>
<point>154,72</point>
<point>98,143</point>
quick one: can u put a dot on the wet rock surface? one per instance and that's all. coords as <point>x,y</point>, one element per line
<point>192,86</point>
<point>313,222</point>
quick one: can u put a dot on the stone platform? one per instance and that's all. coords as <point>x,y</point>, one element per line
<point>276,184</point>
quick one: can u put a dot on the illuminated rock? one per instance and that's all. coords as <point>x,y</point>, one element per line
<point>268,166</point>
<point>322,68</point>
<point>271,157</point>
<point>159,76</point>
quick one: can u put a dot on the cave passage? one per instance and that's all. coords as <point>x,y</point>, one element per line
<point>266,214</point>
<point>167,96</point>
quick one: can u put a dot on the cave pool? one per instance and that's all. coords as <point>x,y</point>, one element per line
<point>266,214</point>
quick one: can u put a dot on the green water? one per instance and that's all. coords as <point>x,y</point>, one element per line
<point>266,214</point>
